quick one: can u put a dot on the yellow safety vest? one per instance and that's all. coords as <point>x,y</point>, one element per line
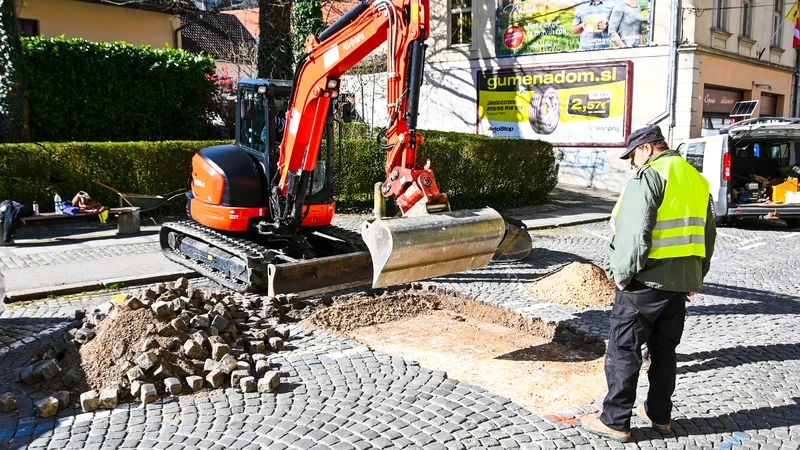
<point>681,219</point>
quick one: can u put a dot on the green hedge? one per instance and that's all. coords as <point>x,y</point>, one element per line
<point>37,171</point>
<point>113,91</point>
<point>475,171</point>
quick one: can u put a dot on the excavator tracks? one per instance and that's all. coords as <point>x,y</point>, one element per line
<point>246,261</point>
<point>244,266</point>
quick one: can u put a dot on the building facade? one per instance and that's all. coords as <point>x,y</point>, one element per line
<point>150,23</point>
<point>582,77</point>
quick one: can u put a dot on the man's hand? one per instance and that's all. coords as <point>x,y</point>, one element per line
<point>690,295</point>
<point>621,287</point>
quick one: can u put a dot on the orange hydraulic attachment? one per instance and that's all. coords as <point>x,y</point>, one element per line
<point>403,25</point>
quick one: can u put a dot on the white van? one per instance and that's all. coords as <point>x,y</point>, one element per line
<point>743,162</point>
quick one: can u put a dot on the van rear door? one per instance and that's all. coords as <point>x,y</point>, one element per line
<point>707,155</point>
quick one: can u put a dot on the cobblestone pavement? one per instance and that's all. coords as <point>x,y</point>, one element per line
<point>738,382</point>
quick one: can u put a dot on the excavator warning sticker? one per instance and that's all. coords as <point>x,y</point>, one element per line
<point>294,125</point>
<point>330,57</point>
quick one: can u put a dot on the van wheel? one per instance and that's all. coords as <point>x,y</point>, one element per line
<point>792,223</point>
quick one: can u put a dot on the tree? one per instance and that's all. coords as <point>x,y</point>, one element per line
<point>12,96</point>
<point>307,20</point>
<point>275,58</point>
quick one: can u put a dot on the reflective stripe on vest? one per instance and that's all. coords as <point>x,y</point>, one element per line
<point>681,218</point>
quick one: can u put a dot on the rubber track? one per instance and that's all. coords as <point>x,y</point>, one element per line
<point>255,256</point>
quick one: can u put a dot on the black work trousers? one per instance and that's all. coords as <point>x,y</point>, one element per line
<point>642,315</point>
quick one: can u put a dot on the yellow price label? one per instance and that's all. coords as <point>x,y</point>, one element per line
<point>210,258</point>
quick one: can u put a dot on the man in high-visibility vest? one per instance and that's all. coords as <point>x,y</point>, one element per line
<point>661,250</point>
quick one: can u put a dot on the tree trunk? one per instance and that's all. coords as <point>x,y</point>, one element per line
<point>275,40</point>
<point>12,97</point>
<point>307,20</point>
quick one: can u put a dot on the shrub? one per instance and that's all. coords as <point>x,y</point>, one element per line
<point>474,171</point>
<point>113,91</point>
<point>37,171</point>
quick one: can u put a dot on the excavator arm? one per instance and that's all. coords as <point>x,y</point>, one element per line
<point>403,25</point>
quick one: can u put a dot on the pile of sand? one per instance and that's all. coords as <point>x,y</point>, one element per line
<point>578,285</point>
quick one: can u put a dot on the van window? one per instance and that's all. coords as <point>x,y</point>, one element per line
<point>781,153</point>
<point>695,153</point>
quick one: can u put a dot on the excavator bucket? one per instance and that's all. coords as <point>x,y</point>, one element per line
<point>516,244</point>
<point>414,248</point>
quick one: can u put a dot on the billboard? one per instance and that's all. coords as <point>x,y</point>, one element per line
<point>525,27</point>
<point>587,105</point>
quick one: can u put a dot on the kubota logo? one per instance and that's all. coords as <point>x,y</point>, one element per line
<point>353,41</point>
<point>199,183</point>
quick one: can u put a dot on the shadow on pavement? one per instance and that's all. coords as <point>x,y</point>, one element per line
<point>15,329</point>
<point>540,263</point>
<point>763,302</point>
<point>550,351</point>
<point>738,423</point>
<point>736,356</point>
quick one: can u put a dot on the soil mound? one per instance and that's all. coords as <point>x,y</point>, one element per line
<point>365,311</point>
<point>125,334</point>
<point>579,285</point>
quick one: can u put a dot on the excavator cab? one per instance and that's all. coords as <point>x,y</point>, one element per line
<point>261,119</point>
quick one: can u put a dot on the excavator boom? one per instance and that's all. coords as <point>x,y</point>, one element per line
<point>428,240</point>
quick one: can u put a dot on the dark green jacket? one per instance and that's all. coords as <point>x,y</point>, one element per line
<point>627,259</point>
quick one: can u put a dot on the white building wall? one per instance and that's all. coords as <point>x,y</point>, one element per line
<point>449,94</point>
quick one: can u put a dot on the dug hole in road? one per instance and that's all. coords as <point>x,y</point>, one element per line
<point>490,347</point>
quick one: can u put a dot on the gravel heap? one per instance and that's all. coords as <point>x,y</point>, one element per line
<point>577,284</point>
<point>166,340</point>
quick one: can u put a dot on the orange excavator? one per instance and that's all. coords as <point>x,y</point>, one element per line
<point>261,209</point>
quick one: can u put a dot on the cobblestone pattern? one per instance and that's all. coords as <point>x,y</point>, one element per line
<point>73,255</point>
<point>738,383</point>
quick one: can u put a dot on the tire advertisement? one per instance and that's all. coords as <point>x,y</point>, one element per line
<point>566,106</point>
<point>527,27</point>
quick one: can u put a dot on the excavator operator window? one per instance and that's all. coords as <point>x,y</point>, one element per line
<point>251,125</point>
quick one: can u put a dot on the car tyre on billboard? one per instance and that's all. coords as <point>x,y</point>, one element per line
<point>545,111</point>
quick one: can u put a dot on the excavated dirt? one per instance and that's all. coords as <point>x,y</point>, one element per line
<point>578,285</point>
<point>129,329</point>
<point>473,342</point>
<point>96,362</point>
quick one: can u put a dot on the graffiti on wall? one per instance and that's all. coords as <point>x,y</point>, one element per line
<point>583,158</point>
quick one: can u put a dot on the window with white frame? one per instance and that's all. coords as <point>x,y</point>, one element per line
<point>460,22</point>
<point>721,14</point>
<point>777,22</point>
<point>747,18</point>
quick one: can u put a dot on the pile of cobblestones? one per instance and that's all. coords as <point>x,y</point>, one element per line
<point>167,340</point>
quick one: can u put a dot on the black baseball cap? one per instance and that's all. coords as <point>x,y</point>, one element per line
<point>650,134</point>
